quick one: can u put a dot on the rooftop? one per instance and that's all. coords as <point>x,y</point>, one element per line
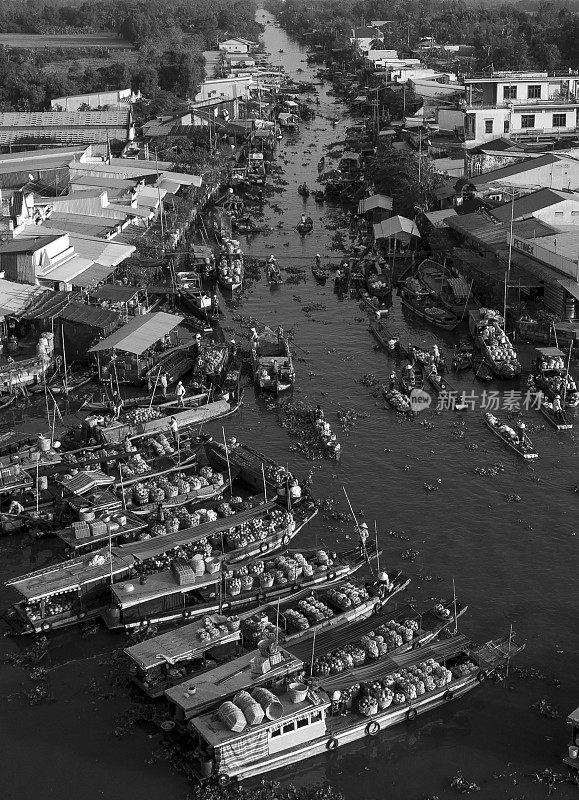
<point>529,204</point>
<point>140,333</point>
<point>512,169</point>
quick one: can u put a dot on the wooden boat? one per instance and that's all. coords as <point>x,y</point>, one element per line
<point>170,400</point>
<point>452,289</point>
<point>487,330</point>
<point>272,363</point>
<point>7,401</point>
<point>165,660</point>
<point>462,358</point>
<point>273,275</point>
<point>421,301</point>
<point>330,446</point>
<point>320,274</point>
<point>550,375</point>
<point>422,626</point>
<point>258,471</point>
<point>481,369</point>
<point>438,383</point>
<point>303,190</point>
<point>379,285</point>
<point>218,485</point>
<point>378,307</point>
<point>166,589</point>
<point>21,374</point>
<point>309,725</point>
<point>185,419</point>
<point>230,268</point>
<point>399,402</point>
<point>507,435</point>
<point>560,421</point>
<point>384,337</point>
<point>306,227</point>
<point>194,299</point>
<point>176,363</point>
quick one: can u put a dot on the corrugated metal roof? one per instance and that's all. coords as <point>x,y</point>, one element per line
<point>89,315</point>
<point>28,244</point>
<point>50,305</point>
<point>115,294</point>
<point>530,203</point>
<point>64,119</point>
<point>513,169</point>
<point>376,201</point>
<point>491,233</point>
<point>140,333</point>
<point>80,181</point>
<point>94,274</point>
<point>394,226</point>
<point>437,218</point>
<point>15,297</point>
<point>66,272</point>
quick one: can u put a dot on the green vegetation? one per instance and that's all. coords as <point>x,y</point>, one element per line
<point>503,35</point>
<point>168,35</point>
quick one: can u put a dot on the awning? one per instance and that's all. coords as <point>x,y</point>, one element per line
<point>394,227</point>
<point>570,286</point>
<point>94,274</point>
<point>460,288</point>
<point>375,201</point>
<point>67,272</point>
<point>438,218</point>
<point>115,294</point>
<point>140,333</point>
<point>89,315</point>
<point>15,297</point>
<point>49,305</point>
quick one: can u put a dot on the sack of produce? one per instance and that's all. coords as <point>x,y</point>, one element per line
<point>232,717</point>
<point>252,711</point>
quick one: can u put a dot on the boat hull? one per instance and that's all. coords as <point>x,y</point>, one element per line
<point>415,309</point>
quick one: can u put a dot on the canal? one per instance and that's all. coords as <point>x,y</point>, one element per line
<point>505,536</point>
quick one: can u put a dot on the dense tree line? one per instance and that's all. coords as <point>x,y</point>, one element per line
<point>170,36</point>
<point>504,35</point>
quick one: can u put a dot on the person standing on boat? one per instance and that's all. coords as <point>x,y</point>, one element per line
<point>280,335</point>
<point>174,428</point>
<point>318,260</point>
<point>393,380</point>
<point>15,508</point>
<point>303,219</point>
<point>180,392</point>
<point>319,412</point>
<point>392,344</point>
<point>117,405</point>
<point>557,409</point>
<point>254,339</point>
<point>215,304</point>
<point>164,383</point>
<point>521,427</point>
<point>363,533</point>
<point>232,349</point>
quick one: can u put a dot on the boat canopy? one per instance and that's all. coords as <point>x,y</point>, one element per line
<point>115,294</point>
<point>139,334</point>
<point>550,352</point>
<point>373,202</point>
<point>460,288</point>
<point>573,718</point>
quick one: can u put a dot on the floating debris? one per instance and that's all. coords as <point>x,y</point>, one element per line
<point>544,708</point>
<point>461,784</point>
<point>313,307</point>
<point>369,379</point>
<point>410,554</point>
<point>492,470</point>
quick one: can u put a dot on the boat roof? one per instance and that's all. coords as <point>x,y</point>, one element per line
<point>160,584</point>
<point>550,352</point>
<point>160,544</point>
<point>226,679</point>
<point>70,575</point>
<point>140,333</point>
<point>178,645</point>
<point>573,718</point>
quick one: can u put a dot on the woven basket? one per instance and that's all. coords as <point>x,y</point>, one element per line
<point>297,692</point>
<point>232,717</point>
<point>252,711</point>
<point>269,702</point>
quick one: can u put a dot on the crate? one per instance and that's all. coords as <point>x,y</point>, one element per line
<point>98,528</point>
<point>81,530</point>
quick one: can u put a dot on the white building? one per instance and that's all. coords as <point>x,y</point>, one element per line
<point>96,100</point>
<point>362,38</point>
<point>235,45</point>
<point>225,88</point>
<point>531,105</point>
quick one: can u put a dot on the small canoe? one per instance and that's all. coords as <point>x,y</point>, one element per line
<point>506,434</point>
<point>383,336</point>
<point>303,190</point>
<point>374,304</point>
<point>438,383</point>
<point>462,358</point>
<point>397,400</point>
<point>481,369</point>
<point>320,274</point>
<point>560,421</point>
<point>305,227</point>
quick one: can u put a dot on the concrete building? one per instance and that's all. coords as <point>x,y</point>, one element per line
<point>236,46</point>
<point>522,105</point>
<point>45,128</point>
<point>547,170</point>
<point>225,88</point>
<point>555,207</point>
<point>362,38</point>
<point>119,98</point>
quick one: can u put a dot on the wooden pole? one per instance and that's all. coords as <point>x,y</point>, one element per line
<point>509,652</point>
<point>155,387</point>
<point>454,603</point>
<point>467,299</point>
<point>377,551</point>
<point>37,489</point>
<point>313,653</point>
<point>123,491</point>
<point>287,486</point>
<point>53,424</point>
<point>228,464</point>
<point>64,362</point>
<point>564,393</point>
<point>350,504</point>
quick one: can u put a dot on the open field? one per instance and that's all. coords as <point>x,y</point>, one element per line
<point>52,42</point>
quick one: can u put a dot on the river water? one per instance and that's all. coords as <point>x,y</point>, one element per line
<point>512,562</point>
